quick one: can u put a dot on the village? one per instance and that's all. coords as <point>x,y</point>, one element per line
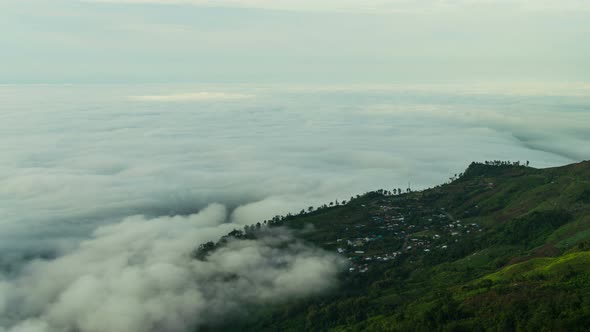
<point>411,228</point>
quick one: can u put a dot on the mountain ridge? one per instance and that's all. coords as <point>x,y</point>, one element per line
<point>502,246</point>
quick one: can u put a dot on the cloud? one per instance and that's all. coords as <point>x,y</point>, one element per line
<point>370,5</point>
<point>103,197</point>
<point>138,275</point>
<point>510,89</point>
<point>194,96</point>
<point>80,155</point>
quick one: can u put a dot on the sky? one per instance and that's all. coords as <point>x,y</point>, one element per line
<point>131,131</point>
<point>294,41</point>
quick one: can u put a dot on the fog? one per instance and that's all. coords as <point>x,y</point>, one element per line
<point>106,189</point>
<point>138,275</point>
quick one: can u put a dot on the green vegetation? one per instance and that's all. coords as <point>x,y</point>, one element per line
<point>503,247</point>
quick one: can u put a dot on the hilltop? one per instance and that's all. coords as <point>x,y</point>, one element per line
<point>502,246</point>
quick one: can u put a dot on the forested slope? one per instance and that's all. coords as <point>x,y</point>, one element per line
<point>500,247</point>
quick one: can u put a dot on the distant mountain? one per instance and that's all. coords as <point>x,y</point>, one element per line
<point>501,247</point>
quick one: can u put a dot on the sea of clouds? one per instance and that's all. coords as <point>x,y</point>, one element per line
<point>105,189</point>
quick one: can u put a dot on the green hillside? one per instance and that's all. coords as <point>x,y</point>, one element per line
<point>501,247</point>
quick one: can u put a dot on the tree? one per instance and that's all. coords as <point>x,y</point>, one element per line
<point>309,209</point>
<point>236,233</point>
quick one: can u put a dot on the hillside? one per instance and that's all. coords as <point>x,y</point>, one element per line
<point>501,247</point>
